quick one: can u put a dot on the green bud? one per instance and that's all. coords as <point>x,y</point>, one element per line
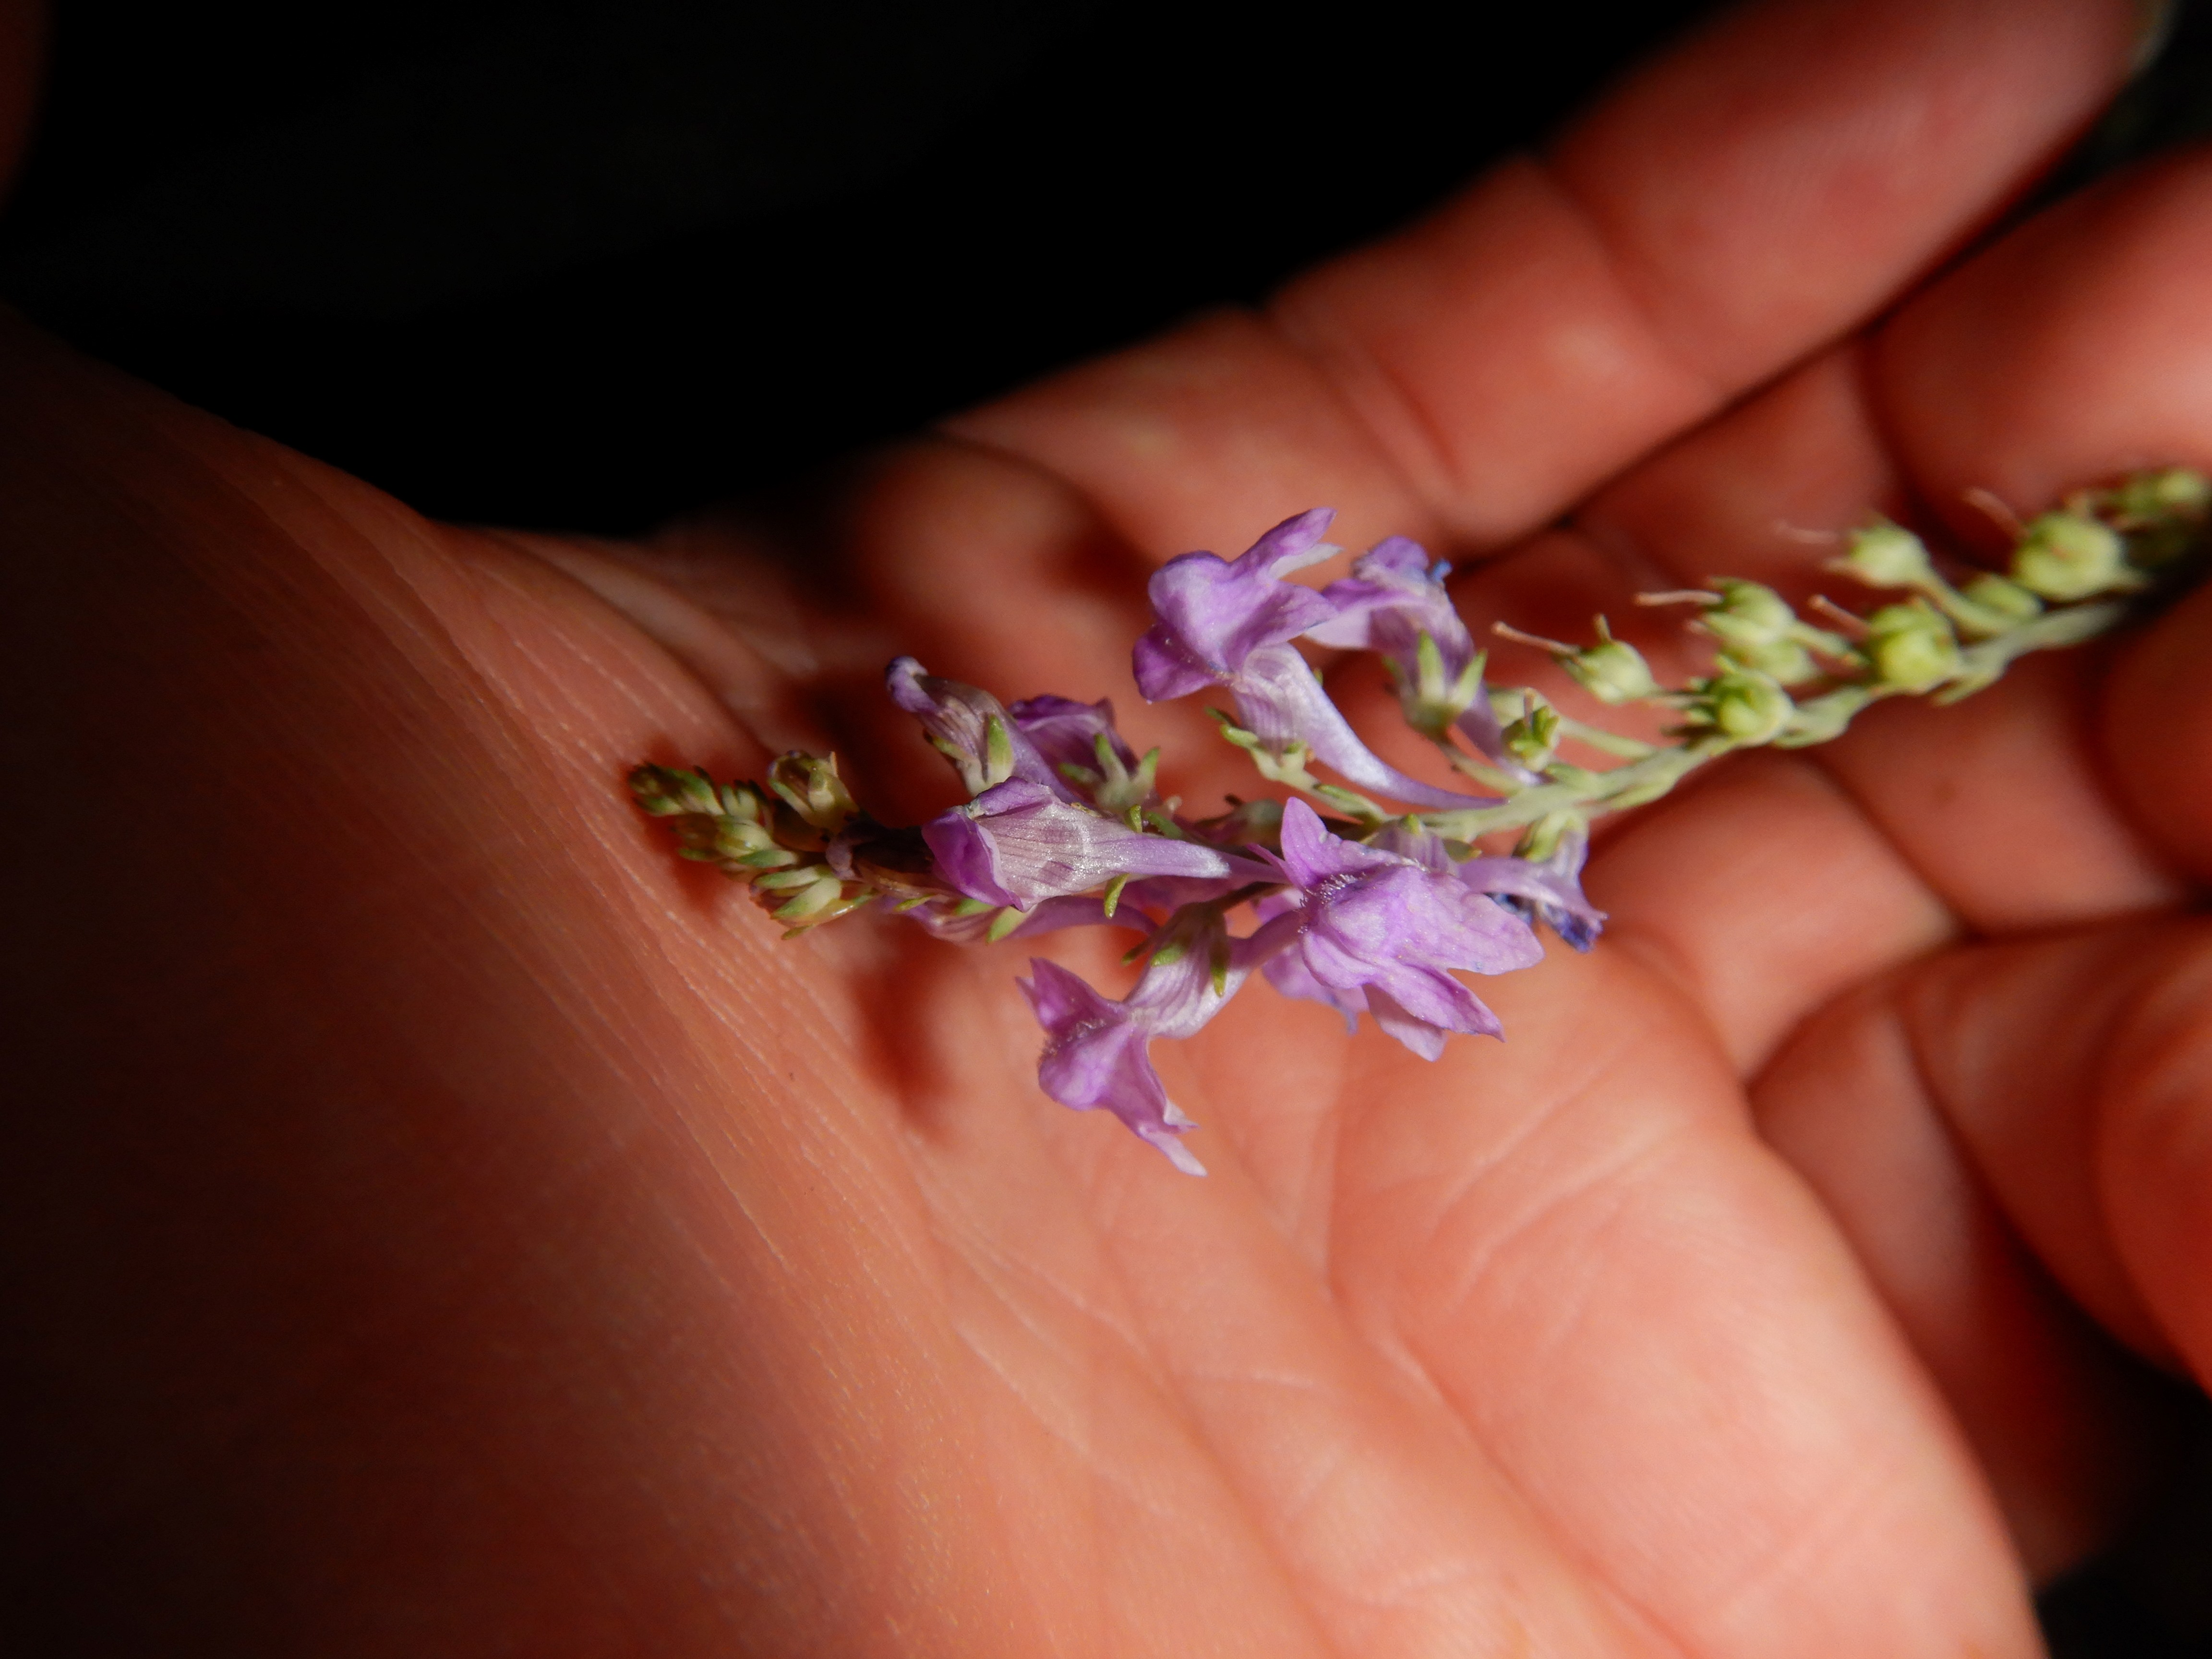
<point>1745,705</point>
<point>812,901</point>
<point>997,751</point>
<point>1911,646</point>
<point>1885,555</point>
<point>2005,598</point>
<point>2174,492</point>
<point>2068,555</point>
<point>1532,737</point>
<point>809,786</point>
<point>664,792</point>
<point>1612,671</point>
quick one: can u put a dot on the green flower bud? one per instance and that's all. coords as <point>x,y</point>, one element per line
<point>809,786</point>
<point>1612,671</point>
<point>1911,646</point>
<point>1885,555</point>
<point>1531,738</point>
<point>2175,492</point>
<point>2068,555</point>
<point>664,792</point>
<point>1745,705</point>
<point>2006,600</point>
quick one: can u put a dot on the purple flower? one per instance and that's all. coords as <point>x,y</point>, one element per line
<point>971,728</point>
<point>1392,598</point>
<point>1095,1048</point>
<point>1230,623</point>
<point>1017,844</point>
<point>1382,926</point>
<point>1549,891</point>
<point>1079,742</point>
<point>1212,613</point>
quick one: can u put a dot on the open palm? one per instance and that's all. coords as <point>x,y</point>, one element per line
<point>457,1227</point>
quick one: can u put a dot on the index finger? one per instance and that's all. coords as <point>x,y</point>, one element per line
<point>1776,179</point>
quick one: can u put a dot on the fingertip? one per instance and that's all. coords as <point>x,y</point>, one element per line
<point>2155,1145</point>
<point>2078,347</point>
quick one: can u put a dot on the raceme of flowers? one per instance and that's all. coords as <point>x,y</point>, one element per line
<point>1375,893</point>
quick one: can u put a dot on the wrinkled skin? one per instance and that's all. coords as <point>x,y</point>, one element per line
<point>440,1223</point>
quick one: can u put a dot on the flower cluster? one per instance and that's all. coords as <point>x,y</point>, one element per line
<point>1371,909</point>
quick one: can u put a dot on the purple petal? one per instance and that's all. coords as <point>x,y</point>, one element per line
<point>1094,1057</point>
<point>1550,891</point>
<point>958,714</point>
<point>1017,845</point>
<point>1067,732</point>
<point>1279,699</point>
<point>1212,613</point>
<point>1166,671</point>
<point>1311,854</point>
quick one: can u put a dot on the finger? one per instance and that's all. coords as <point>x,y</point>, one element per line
<point>1776,179</point>
<point>2078,348</point>
<point>2057,1420</point>
<point>1648,1324</point>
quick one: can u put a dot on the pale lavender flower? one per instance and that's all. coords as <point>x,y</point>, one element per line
<point>1384,926</point>
<point>1079,743</point>
<point>1017,844</point>
<point>971,728</point>
<point>1229,622</point>
<point>1393,596</point>
<point>1549,891</point>
<point>1212,613</point>
<point>1095,1046</point>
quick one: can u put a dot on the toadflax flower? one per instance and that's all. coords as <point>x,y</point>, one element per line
<point>1229,622</point>
<point>1079,742</point>
<point>1548,890</point>
<point>1017,844</point>
<point>1374,928</point>
<point>969,727</point>
<point>1095,1053</point>
<point>1394,603</point>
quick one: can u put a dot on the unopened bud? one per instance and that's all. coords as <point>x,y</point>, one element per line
<point>663,791</point>
<point>1884,555</point>
<point>2174,492</point>
<point>809,786</point>
<point>2004,597</point>
<point>1746,706</point>
<point>1531,738</point>
<point>1912,647</point>
<point>1612,671</point>
<point>1756,628</point>
<point>2068,555</point>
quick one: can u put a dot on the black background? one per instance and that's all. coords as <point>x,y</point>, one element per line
<point>584,263</point>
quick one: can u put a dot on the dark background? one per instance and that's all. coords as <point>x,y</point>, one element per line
<point>585,264</point>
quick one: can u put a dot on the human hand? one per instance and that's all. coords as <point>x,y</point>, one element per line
<point>456,1223</point>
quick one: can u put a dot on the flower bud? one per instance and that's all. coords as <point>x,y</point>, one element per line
<point>1885,555</point>
<point>2175,492</point>
<point>2068,555</point>
<point>1745,705</point>
<point>1531,738</point>
<point>664,792</point>
<point>1911,646</point>
<point>1612,671</point>
<point>809,786</point>
<point>1756,628</point>
<point>2006,598</point>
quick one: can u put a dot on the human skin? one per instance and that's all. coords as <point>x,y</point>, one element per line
<point>439,1222</point>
